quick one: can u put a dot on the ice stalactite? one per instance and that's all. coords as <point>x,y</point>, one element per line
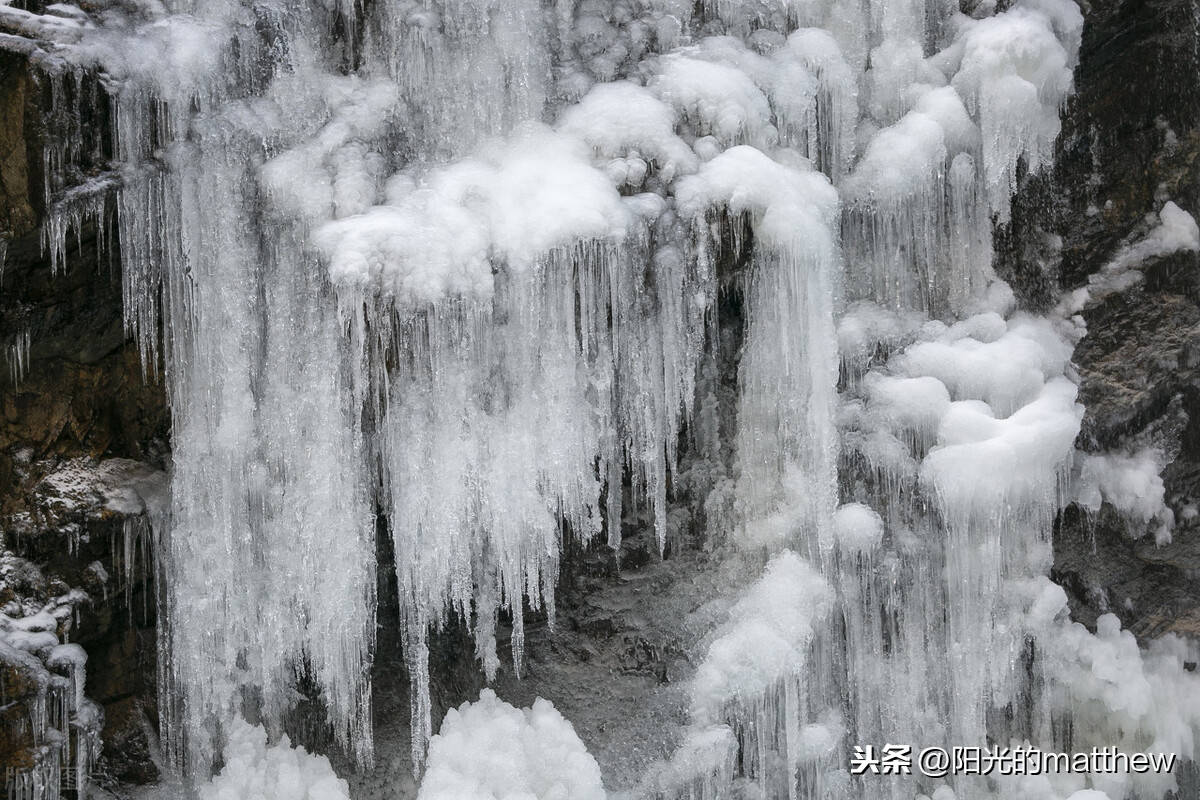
<point>786,441</point>
<point>17,356</point>
<point>525,316</point>
<point>535,347</point>
<point>530,349</point>
<point>959,420</point>
<point>468,69</point>
<point>267,556</point>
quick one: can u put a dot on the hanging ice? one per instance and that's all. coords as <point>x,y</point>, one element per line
<point>459,262</point>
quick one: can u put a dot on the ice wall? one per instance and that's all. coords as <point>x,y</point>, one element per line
<point>457,262</point>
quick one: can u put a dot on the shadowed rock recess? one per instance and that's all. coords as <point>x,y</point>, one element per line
<point>710,509</point>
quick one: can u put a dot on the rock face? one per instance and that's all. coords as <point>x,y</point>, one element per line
<point>1129,144</point>
<point>83,433</point>
<point>82,445</point>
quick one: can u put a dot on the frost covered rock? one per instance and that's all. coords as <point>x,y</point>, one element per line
<point>489,750</point>
<point>1132,484</point>
<point>115,486</point>
<point>49,729</point>
<point>1176,231</point>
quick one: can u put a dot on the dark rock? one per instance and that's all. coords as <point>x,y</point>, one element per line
<point>1129,143</point>
<point>82,434</point>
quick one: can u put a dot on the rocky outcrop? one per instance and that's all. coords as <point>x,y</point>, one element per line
<point>1129,144</point>
<point>82,442</point>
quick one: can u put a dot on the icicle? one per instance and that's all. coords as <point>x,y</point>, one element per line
<point>468,68</point>
<point>18,356</point>
<point>79,206</point>
<point>787,442</point>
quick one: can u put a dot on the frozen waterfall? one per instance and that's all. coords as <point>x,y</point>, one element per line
<point>457,267</point>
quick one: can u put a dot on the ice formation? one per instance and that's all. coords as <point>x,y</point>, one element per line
<point>488,750</point>
<point>1131,484</point>
<point>47,675</point>
<point>460,262</point>
<point>17,355</point>
<point>254,769</point>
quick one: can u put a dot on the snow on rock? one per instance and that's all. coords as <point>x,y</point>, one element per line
<point>1175,231</point>
<point>83,487</point>
<point>59,728</point>
<point>1132,484</point>
<point>489,750</point>
<point>257,770</point>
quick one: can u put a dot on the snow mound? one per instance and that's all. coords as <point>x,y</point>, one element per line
<point>256,770</point>
<point>489,750</point>
<point>790,203</point>
<point>616,118</point>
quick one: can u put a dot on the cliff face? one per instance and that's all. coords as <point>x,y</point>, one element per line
<point>82,445</point>
<point>1129,144</point>
<point>83,433</point>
